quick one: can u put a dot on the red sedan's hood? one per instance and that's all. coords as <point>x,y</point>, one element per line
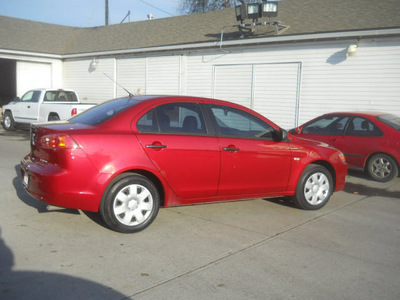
<point>303,141</point>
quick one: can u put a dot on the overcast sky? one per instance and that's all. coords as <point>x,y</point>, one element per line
<point>87,13</point>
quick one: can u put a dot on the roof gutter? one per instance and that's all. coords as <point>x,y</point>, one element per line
<point>30,54</point>
<point>242,42</point>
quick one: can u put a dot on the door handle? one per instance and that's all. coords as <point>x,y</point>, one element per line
<point>156,146</point>
<point>230,149</point>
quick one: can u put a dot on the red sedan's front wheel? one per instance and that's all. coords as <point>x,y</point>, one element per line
<point>314,188</point>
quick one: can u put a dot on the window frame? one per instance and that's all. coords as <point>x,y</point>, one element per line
<point>207,131</point>
<point>244,113</point>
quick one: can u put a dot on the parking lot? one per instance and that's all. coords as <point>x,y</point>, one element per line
<point>256,249</point>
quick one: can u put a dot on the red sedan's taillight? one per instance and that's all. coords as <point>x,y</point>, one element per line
<point>58,141</point>
<point>74,111</point>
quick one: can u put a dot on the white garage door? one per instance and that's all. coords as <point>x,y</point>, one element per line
<point>32,75</point>
<point>270,89</point>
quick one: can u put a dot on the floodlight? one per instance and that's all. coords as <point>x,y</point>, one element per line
<point>253,10</point>
<point>269,9</point>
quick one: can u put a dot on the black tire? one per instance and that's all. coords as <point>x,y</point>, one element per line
<point>131,204</point>
<point>314,188</point>
<point>53,117</point>
<point>382,167</point>
<point>8,122</point>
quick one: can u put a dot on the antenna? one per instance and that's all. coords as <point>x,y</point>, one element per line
<point>127,15</point>
<point>129,93</point>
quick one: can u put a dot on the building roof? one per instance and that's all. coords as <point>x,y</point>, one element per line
<point>304,17</point>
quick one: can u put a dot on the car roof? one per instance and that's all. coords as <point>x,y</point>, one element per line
<point>360,113</point>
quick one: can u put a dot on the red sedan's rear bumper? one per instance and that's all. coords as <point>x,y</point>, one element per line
<point>59,187</point>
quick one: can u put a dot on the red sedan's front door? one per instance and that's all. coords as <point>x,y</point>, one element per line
<point>251,166</point>
<point>251,161</point>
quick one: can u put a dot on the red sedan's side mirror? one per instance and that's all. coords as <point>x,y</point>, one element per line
<point>279,135</point>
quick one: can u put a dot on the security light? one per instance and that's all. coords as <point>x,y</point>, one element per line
<point>253,10</point>
<point>269,9</point>
<point>241,13</point>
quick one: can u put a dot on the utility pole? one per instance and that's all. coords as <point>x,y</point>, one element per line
<point>106,12</point>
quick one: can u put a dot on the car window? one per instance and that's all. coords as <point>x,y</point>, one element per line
<point>327,125</point>
<point>237,123</point>
<point>181,118</point>
<point>60,96</point>
<point>31,96</point>
<point>103,112</point>
<point>390,120</point>
<point>359,126</point>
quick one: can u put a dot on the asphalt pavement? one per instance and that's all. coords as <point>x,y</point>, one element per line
<point>256,249</point>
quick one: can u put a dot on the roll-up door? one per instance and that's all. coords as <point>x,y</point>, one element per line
<point>234,83</point>
<point>31,75</point>
<point>272,90</point>
<point>276,92</point>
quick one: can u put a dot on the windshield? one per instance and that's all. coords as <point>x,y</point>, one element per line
<point>103,112</point>
<point>390,120</point>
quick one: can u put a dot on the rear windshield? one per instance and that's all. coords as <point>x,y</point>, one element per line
<point>390,120</point>
<point>103,112</point>
<point>60,96</point>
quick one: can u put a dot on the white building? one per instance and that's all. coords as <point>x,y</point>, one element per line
<point>332,56</point>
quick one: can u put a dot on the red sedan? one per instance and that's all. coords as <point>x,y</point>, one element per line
<point>369,141</point>
<point>127,157</point>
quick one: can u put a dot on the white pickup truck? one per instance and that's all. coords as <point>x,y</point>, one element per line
<point>42,105</point>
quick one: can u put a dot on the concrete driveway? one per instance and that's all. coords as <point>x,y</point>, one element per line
<point>257,249</point>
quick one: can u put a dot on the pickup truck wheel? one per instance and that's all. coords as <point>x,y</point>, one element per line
<point>8,122</point>
<point>54,117</point>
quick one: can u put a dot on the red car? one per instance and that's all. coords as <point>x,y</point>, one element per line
<point>369,141</point>
<point>127,157</point>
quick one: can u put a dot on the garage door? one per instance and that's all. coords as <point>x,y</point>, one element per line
<point>32,75</point>
<point>270,89</point>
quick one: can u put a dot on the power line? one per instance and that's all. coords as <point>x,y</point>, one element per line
<point>157,8</point>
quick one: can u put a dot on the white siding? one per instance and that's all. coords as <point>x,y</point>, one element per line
<point>289,83</point>
<point>163,75</point>
<point>131,74</point>
<point>91,85</point>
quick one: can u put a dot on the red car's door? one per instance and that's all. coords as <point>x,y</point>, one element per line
<point>361,138</point>
<point>328,129</point>
<point>251,166</point>
<point>187,158</point>
<point>251,162</point>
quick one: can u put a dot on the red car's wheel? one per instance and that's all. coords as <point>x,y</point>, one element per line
<point>131,204</point>
<point>314,188</point>
<point>381,167</point>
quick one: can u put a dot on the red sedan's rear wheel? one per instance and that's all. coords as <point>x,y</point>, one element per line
<point>381,167</point>
<point>131,204</point>
<point>314,188</point>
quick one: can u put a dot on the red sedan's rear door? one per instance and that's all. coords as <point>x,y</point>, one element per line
<point>189,164</point>
<point>175,138</point>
